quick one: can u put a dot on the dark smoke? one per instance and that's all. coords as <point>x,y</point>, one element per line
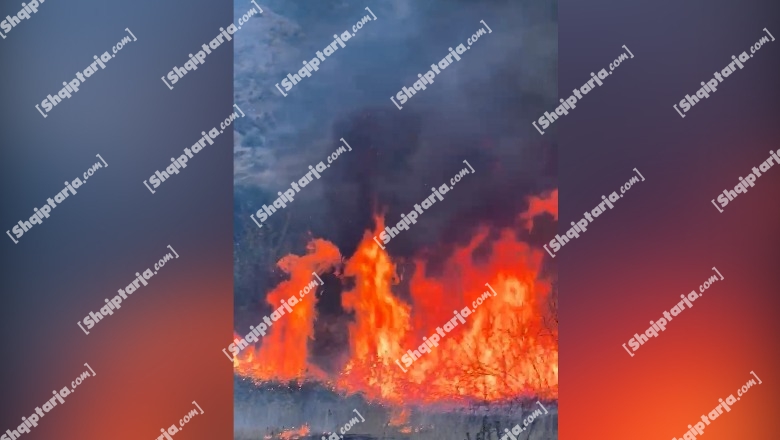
<point>479,109</point>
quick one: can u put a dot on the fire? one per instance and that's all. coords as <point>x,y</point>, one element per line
<point>283,351</point>
<point>538,205</point>
<point>399,417</point>
<point>294,433</point>
<point>502,350</point>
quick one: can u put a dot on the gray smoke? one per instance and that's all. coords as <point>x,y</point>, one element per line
<point>479,109</point>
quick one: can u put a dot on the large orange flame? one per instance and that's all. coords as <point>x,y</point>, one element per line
<point>282,354</point>
<point>502,351</point>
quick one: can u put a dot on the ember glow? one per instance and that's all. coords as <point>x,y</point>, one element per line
<point>503,351</point>
<point>292,433</point>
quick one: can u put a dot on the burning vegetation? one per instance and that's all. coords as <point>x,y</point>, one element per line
<point>507,348</point>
